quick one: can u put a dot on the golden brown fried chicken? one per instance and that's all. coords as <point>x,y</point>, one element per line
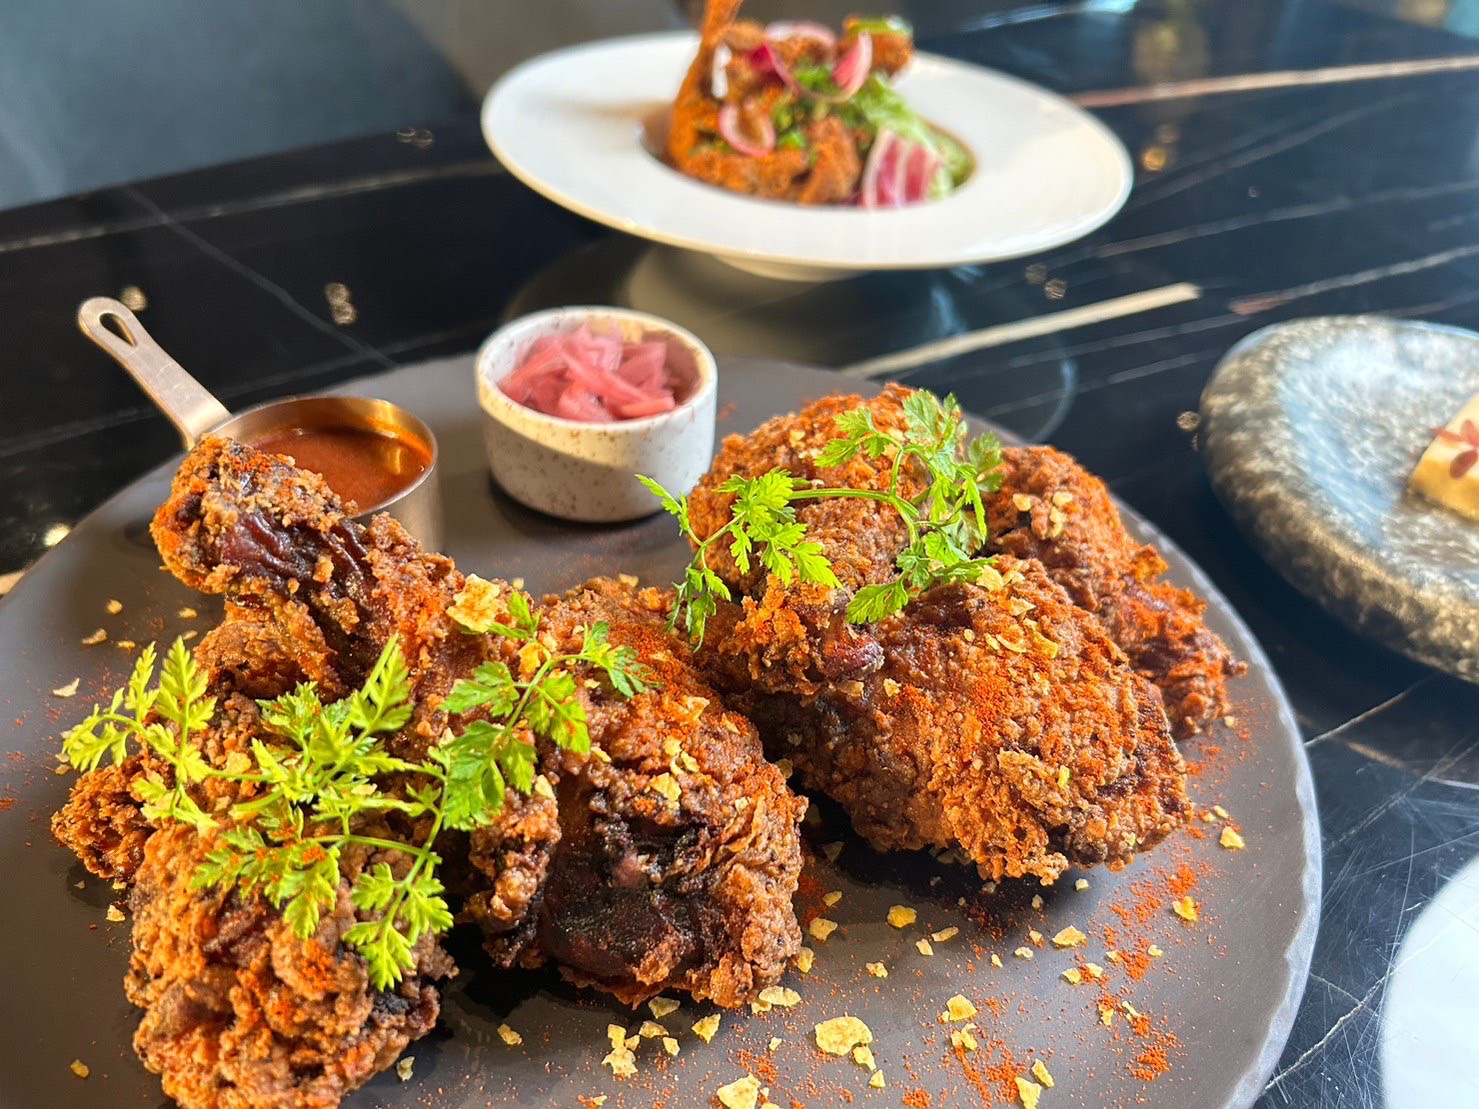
<point>241,1014</point>
<point>264,532</point>
<point>1005,722</point>
<point>1051,509</point>
<point>679,847</point>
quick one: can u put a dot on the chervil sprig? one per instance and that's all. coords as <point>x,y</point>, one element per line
<point>945,522</point>
<point>315,785</point>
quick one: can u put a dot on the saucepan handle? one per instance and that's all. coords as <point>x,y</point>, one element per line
<point>187,403</point>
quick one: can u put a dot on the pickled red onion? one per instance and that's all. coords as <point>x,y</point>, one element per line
<point>898,172</point>
<point>593,378</point>
<point>801,29</point>
<point>729,127</point>
<point>852,68</point>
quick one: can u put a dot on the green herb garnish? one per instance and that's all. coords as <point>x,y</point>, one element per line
<point>946,522</point>
<point>325,772</point>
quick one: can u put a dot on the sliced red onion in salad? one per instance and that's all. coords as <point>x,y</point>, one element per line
<point>801,29</point>
<point>853,67</point>
<point>719,73</point>
<point>730,126</point>
<point>767,60</point>
<point>593,378</point>
<point>898,172</point>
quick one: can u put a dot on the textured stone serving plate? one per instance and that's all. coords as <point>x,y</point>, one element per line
<point>1310,430</point>
<point>1227,988</point>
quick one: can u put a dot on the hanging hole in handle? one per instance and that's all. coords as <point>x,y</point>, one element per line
<point>114,323</point>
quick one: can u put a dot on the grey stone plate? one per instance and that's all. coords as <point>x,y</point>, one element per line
<point>1227,987</point>
<point>1310,430</point>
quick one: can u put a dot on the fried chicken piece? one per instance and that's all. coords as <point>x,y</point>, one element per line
<point>1004,724</point>
<point>694,110</point>
<point>797,639</point>
<point>256,528</point>
<point>241,1014</point>
<point>1051,509</point>
<point>892,50</point>
<point>245,658</point>
<point>950,723</point>
<point>679,849</point>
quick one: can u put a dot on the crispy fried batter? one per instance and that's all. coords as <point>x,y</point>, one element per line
<point>1051,509</point>
<point>263,532</point>
<point>679,849</point>
<point>949,724</point>
<point>1014,734</point>
<point>241,1014</point>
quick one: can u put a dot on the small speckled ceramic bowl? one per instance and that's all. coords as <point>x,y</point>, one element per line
<point>581,471</point>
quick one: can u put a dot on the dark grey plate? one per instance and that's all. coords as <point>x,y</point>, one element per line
<point>1311,429</point>
<point>1226,988</point>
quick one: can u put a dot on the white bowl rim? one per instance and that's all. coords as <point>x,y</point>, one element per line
<point>704,364</point>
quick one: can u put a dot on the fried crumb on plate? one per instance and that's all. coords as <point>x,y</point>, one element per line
<point>95,638</point>
<point>662,1007</point>
<point>705,1027</point>
<point>901,916</point>
<point>403,1068</point>
<point>805,958</point>
<point>79,1068</point>
<point>1040,1072</point>
<point>1231,839</point>
<point>1069,937</point>
<point>821,928</point>
<point>1186,909</point>
<point>68,690</point>
<point>1029,1092</point>
<point>742,1093</point>
<point>840,1035</point>
<point>924,948</point>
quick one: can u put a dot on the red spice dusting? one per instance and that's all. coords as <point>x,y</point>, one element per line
<point>761,1066</point>
<point>917,1099</point>
<point>1150,1064</point>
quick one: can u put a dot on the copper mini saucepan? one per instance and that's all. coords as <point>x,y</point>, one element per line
<point>403,447</point>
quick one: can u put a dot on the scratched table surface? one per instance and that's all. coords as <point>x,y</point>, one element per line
<point>1293,159</point>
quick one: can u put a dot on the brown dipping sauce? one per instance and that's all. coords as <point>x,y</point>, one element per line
<point>363,465</point>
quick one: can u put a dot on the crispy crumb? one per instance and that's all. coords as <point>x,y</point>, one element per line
<point>404,1067</point>
<point>68,690</point>
<point>115,914</point>
<point>1186,909</point>
<point>783,996</point>
<point>114,607</point>
<point>1069,937</point>
<point>1074,975</point>
<point>188,614</point>
<point>705,1027</point>
<point>945,934</point>
<point>995,959</point>
<point>901,916</point>
<point>622,1062</point>
<point>80,1069</point>
<point>598,1101</point>
<point>742,1093</point>
<point>1132,1011</point>
<point>662,1007</point>
<point>877,970</point>
<point>957,1008</point>
<point>1231,840</point>
<point>1081,885</point>
<point>805,958</point>
<point>840,1035</point>
<point>125,644</point>
<point>667,785</point>
<point>1220,811</point>
<point>1035,936</point>
<point>832,898</point>
<point>964,1038</point>
<point>1029,1092</point>
<point>863,1057</point>
<point>1037,901</point>
<point>775,1042</point>
<point>832,850</point>
<point>509,1036</point>
<point>923,947</point>
<point>1154,951</point>
<point>1113,956</point>
<point>670,1045</point>
<point>1106,1015</point>
<point>820,928</point>
<point>877,1080</point>
<point>1040,1072</point>
<point>1023,953</point>
<point>651,1030</point>
<point>95,638</point>
<point>478,606</point>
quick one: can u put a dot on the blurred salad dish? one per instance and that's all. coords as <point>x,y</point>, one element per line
<point>793,111</point>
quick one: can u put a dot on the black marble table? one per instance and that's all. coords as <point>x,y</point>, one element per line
<point>1307,158</point>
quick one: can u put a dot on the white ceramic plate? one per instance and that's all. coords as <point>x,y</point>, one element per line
<point>572,125</point>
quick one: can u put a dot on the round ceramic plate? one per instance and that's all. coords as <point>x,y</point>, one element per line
<point>579,125</point>
<point>1218,1003</point>
<point>1311,429</point>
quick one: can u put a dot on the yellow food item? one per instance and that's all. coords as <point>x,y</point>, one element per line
<point>1447,472</point>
